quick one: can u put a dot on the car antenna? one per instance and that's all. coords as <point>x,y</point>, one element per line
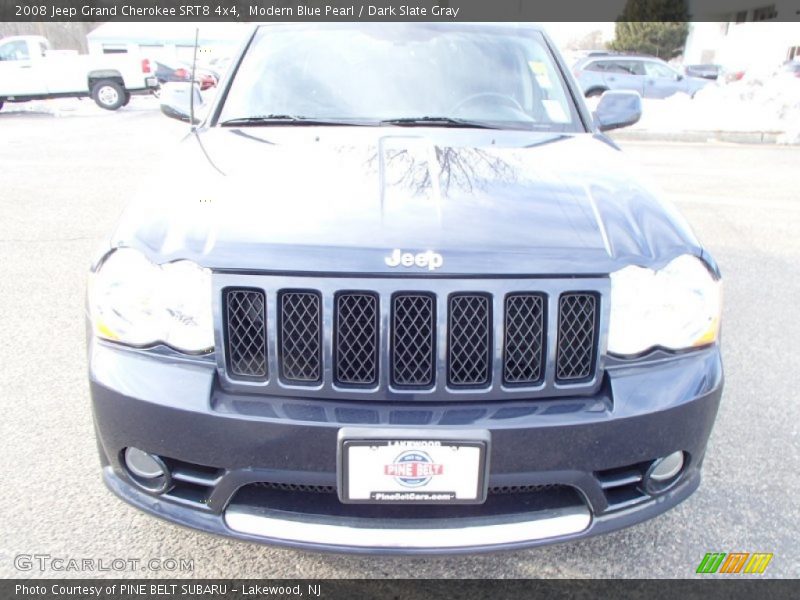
<point>191,81</point>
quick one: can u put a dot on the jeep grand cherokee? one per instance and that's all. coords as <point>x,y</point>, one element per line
<point>412,299</point>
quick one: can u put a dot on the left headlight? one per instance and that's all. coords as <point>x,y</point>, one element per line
<point>136,302</point>
<point>676,307</point>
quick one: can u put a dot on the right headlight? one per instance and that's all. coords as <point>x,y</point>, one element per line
<point>136,302</point>
<point>676,307</point>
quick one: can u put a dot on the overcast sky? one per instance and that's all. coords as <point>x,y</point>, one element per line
<point>564,32</point>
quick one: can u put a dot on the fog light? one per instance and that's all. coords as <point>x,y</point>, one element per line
<point>666,468</point>
<point>142,464</point>
<point>664,473</point>
<point>147,470</point>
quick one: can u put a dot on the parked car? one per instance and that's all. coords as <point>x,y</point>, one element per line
<point>706,71</point>
<point>790,68</point>
<point>218,66</point>
<point>649,76</point>
<point>412,299</point>
<point>31,70</point>
<point>713,72</point>
<point>176,71</point>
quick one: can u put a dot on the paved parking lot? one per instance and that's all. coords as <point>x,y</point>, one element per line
<point>65,174</point>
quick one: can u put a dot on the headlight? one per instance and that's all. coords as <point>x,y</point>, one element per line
<point>676,307</point>
<point>136,302</point>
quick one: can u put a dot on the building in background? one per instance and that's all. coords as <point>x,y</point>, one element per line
<point>167,41</point>
<point>744,35</point>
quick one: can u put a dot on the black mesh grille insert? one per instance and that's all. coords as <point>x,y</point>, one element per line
<point>297,487</point>
<point>331,489</point>
<point>246,333</point>
<point>300,336</point>
<point>413,340</point>
<point>523,353</point>
<point>356,339</point>
<point>469,340</point>
<point>577,327</point>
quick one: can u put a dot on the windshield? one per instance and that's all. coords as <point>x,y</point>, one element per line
<point>400,74</point>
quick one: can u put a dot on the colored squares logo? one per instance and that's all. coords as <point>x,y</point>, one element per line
<point>735,562</point>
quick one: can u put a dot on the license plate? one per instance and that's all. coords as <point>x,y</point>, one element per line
<point>387,467</point>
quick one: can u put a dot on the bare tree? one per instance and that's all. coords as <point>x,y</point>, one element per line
<point>63,36</point>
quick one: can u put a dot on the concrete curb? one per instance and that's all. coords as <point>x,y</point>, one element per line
<point>735,137</point>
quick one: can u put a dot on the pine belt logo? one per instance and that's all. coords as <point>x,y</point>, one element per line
<point>413,468</point>
<point>733,563</point>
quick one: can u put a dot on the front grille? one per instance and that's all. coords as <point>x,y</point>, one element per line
<point>413,340</point>
<point>524,350</point>
<point>469,340</point>
<point>300,336</point>
<point>246,333</point>
<point>577,336</point>
<point>356,339</point>
<point>303,488</point>
<point>331,489</point>
<point>388,340</point>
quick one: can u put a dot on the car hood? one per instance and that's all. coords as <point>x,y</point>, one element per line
<point>341,199</point>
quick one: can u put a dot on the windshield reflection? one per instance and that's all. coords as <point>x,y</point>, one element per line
<point>406,74</point>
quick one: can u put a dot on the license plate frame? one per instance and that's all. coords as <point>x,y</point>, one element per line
<point>389,442</point>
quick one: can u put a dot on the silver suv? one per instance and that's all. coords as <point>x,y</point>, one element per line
<point>650,76</point>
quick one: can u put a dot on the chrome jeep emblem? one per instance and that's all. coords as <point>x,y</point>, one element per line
<point>432,260</point>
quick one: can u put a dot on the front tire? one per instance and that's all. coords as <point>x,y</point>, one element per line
<point>108,94</point>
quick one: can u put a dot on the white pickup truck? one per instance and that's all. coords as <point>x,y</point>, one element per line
<point>30,70</point>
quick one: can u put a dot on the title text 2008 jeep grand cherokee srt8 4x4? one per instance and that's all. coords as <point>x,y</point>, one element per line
<point>411,300</point>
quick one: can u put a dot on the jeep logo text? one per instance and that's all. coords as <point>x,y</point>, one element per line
<point>432,260</point>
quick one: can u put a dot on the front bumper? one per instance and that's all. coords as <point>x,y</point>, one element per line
<point>263,468</point>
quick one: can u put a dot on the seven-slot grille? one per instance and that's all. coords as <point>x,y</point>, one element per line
<point>378,338</point>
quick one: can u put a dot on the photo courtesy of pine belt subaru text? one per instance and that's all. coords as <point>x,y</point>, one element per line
<point>412,300</point>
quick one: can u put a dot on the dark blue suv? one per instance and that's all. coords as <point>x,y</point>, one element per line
<point>412,299</point>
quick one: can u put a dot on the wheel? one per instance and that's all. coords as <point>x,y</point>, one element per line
<point>127,99</point>
<point>594,93</point>
<point>108,94</point>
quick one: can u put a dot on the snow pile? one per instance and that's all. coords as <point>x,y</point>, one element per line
<point>84,107</point>
<point>769,105</point>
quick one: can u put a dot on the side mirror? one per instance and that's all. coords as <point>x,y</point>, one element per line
<point>678,77</point>
<point>618,108</point>
<point>176,101</point>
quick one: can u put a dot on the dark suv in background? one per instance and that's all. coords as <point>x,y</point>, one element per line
<point>413,301</point>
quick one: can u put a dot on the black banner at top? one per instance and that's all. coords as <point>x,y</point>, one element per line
<point>388,10</point>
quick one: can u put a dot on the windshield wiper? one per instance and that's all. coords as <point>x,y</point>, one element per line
<point>279,119</point>
<point>437,121</point>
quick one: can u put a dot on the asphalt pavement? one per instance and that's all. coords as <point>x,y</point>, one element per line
<point>66,171</point>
